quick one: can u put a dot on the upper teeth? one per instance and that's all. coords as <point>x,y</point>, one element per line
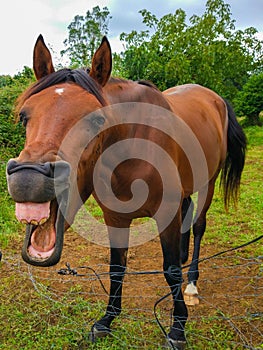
<point>42,221</point>
<point>34,222</point>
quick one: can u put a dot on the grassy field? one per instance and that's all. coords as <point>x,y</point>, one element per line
<point>48,313</point>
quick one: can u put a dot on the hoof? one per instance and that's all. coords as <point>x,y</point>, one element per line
<point>174,344</point>
<point>98,331</point>
<point>191,295</point>
<point>191,300</point>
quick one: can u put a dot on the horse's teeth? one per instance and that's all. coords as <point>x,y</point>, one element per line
<point>42,221</point>
<point>34,222</point>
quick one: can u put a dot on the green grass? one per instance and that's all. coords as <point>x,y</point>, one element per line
<point>9,226</point>
<point>36,319</point>
<point>244,222</point>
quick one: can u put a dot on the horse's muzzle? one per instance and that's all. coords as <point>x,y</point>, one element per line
<point>38,183</point>
<point>37,189</point>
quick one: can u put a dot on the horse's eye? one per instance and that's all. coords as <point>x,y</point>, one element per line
<point>97,121</point>
<point>23,118</point>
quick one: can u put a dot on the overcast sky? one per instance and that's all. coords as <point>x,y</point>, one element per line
<point>21,21</point>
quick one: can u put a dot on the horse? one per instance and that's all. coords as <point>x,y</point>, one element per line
<point>139,151</point>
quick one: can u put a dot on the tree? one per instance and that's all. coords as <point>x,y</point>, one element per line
<point>5,80</point>
<point>249,101</point>
<point>205,50</point>
<point>136,51</point>
<point>85,33</point>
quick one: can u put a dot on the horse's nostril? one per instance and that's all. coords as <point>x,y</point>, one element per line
<point>14,166</point>
<point>37,183</point>
<point>61,174</point>
<point>60,168</point>
<point>11,166</point>
<point>51,169</point>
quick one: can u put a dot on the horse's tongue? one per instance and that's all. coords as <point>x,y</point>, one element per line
<point>32,212</point>
<point>43,241</point>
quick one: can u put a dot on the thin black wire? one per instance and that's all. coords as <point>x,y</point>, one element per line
<point>69,271</point>
<point>200,260</point>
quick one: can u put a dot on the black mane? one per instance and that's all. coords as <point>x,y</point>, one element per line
<point>147,83</point>
<point>77,76</point>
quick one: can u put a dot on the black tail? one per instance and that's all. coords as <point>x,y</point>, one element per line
<point>235,159</point>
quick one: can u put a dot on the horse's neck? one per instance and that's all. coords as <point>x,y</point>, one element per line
<point>121,95</point>
<point>121,91</point>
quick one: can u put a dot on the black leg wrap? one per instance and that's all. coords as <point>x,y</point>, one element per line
<point>193,275</point>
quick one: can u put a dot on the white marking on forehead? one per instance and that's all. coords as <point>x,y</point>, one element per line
<point>59,91</point>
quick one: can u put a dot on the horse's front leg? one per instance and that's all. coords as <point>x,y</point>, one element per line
<point>119,240</point>
<point>170,240</point>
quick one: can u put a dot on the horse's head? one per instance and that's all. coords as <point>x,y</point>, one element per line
<point>61,114</point>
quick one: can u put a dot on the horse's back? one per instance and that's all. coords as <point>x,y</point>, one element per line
<point>205,113</point>
<point>190,99</point>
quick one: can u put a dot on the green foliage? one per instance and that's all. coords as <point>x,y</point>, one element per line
<point>249,101</point>
<point>85,33</point>
<point>5,80</point>
<point>11,133</point>
<point>135,59</point>
<point>208,51</point>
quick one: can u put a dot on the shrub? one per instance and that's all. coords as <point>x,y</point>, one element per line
<point>249,101</point>
<point>11,133</point>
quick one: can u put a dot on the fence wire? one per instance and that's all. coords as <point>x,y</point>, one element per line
<point>229,315</point>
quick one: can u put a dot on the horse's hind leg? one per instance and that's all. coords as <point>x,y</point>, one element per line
<point>187,218</point>
<point>199,226</point>
<point>119,240</point>
<point>170,240</point>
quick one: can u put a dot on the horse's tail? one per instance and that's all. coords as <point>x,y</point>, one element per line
<point>235,158</point>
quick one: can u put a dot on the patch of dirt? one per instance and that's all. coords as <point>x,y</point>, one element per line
<point>230,287</point>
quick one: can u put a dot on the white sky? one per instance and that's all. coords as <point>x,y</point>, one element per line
<point>21,21</point>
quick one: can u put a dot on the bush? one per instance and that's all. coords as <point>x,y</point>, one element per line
<point>249,101</point>
<point>11,133</point>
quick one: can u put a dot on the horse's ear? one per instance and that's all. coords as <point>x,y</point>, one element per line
<point>42,61</point>
<point>102,63</point>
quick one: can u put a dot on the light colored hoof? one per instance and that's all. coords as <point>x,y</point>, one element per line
<point>191,295</point>
<point>174,344</point>
<point>191,300</point>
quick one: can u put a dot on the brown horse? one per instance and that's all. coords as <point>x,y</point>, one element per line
<point>140,153</point>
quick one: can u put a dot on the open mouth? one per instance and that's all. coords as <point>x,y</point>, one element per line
<point>41,194</point>
<point>45,225</point>
<point>42,220</point>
